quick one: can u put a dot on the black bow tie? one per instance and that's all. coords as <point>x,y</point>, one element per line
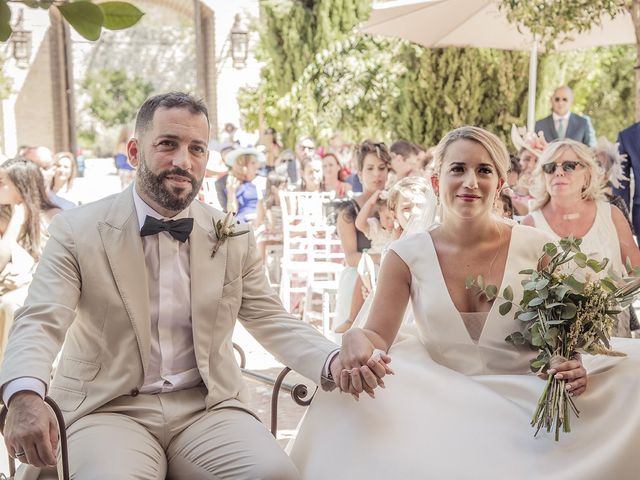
<point>178,229</point>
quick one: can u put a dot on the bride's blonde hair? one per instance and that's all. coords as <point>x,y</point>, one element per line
<point>491,143</point>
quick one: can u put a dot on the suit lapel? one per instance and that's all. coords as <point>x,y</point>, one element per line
<point>207,280</point>
<point>120,235</point>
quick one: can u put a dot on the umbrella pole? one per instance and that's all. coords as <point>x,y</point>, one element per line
<point>533,75</point>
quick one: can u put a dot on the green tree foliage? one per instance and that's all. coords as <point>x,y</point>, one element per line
<point>388,89</point>
<point>554,20</point>
<point>114,96</point>
<point>87,18</point>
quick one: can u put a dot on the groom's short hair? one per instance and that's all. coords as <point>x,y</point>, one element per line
<point>167,100</point>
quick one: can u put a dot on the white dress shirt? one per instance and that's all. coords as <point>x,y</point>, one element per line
<point>565,123</point>
<point>172,362</point>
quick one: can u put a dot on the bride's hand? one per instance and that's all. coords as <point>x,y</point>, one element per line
<point>573,372</point>
<point>364,366</point>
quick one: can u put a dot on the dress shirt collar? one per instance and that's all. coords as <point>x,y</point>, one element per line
<point>143,209</point>
<point>557,117</point>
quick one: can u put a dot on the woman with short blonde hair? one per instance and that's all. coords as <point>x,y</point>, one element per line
<point>570,201</point>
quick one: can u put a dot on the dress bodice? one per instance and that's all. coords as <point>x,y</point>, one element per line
<point>600,241</point>
<point>441,327</point>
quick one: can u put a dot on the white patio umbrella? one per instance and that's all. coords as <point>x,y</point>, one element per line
<point>480,24</point>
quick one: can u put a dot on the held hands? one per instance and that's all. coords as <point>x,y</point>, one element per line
<point>572,372</point>
<point>31,432</point>
<point>359,367</point>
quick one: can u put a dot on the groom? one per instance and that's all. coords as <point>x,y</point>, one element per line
<point>147,378</point>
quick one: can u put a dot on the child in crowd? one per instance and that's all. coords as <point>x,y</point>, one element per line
<point>413,206</point>
<point>376,221</point>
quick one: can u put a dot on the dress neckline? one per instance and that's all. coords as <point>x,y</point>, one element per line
<point>490,312</point>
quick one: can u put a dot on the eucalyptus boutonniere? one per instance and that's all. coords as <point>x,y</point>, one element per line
<point>224,229</point>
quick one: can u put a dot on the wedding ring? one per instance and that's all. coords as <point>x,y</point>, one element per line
<point>19,454</point>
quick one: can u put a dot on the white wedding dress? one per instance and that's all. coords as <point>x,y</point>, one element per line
<point>461,409</point>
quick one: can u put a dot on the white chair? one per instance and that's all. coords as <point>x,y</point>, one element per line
<point>309,253</point>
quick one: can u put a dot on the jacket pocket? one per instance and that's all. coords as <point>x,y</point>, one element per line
<point>79,369</point>
<point>68,400</point>
<point>232,287</point>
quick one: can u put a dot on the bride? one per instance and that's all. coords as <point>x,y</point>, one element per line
<point>460,402</point>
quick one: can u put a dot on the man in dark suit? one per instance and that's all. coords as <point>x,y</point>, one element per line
<point>629,145</point>
<point>562,123</point>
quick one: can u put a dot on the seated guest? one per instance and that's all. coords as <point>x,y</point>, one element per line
<point>332,180</point>
<point>241,194</point>
<point>570,201</point>
<point>24,220</point>
<point>373,162</point>
<point>404,160</point>
<point>22,184</point>
<point>64,173</point>
<point>311,176</point>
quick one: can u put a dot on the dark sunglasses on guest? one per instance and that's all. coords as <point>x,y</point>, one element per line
<point>568,166</point>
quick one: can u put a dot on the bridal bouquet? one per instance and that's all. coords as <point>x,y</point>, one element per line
<point>566,311</point>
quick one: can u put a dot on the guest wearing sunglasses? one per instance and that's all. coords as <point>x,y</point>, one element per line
<point>568,187</point>
<point>562,123</point>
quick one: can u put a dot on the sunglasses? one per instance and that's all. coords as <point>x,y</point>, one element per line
<point>564,99</point>
<point>568,166</point>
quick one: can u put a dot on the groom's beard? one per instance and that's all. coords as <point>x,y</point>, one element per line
<point>174,199</point>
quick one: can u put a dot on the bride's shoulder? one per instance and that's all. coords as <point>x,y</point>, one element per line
<point>408,246</point>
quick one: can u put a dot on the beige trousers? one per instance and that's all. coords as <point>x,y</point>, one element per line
<point>170,435</point>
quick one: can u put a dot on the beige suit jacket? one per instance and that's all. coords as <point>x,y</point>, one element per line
<point>91,286</point>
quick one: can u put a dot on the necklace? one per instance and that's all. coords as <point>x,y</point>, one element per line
<point>497,250</point>
<point>571,216</point>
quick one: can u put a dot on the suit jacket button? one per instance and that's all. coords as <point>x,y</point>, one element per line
<point>135,392</point>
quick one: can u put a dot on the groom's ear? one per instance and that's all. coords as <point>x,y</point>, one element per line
<point>133,152</point>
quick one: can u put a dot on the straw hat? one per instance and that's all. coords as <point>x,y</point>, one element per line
<point>231,157</point>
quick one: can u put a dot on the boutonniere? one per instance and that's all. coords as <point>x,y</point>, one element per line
<point>224,229</point>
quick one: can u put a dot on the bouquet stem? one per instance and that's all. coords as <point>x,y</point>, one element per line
<point>554,408</point>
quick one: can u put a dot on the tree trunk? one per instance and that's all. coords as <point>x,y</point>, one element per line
<point>634,9</point>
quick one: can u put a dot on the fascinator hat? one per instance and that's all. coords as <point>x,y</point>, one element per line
<point>530,141</point>
<point>614,173</point>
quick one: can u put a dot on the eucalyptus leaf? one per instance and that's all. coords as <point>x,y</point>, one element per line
<point>85,17</point>
<point>594,265</point>
<point>535,302</point>
<point>507,293</point>
<point>551,337</point>
<point>120,15</point>
<point>530,286</point>
<point>608,285</point>
<point>569,311</point>
<point>480,282</point>
<point>560,291</point>
<point>540,284</point>
<point>5,21</point>
<point>580,259</point>
<point>574,284</point>
<point>468,282</point>
<point>550,249</point>
<point>505,308</point>
<point>536,365</point>
<point>491,292</point>
<point>527,316</point>
<point>528,271</point>
<point>516,338</point>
